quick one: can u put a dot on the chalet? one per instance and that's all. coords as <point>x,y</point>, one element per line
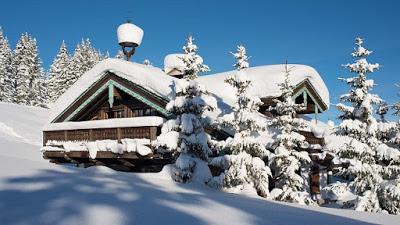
<point>114,112</point>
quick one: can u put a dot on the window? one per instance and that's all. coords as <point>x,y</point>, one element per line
<point>138,112</point>
<point>143,112</point>
<point>147,112</point>
<point>118,114</point>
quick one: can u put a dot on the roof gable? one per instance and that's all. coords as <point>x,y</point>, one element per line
<point>265,82</point>
<point>106,84</point>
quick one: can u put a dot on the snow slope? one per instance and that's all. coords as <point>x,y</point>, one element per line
<point>33,191</point>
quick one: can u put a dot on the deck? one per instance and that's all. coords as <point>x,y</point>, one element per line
<point>128,161</point>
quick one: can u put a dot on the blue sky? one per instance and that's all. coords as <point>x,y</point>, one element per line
<point>316,33</point>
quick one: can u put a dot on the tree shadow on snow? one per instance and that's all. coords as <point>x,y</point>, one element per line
<point>73,196</point>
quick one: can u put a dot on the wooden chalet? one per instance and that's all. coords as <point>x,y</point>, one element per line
<point>119,100</point>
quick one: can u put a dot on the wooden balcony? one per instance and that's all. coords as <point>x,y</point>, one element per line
<point>101,134</point>
<point>111,129</point>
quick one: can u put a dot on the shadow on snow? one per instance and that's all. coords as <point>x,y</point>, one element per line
<point>76,197</point>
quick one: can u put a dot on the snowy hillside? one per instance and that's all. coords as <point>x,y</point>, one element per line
<point>33,191</point>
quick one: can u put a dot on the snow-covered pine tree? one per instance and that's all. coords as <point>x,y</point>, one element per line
<point>120,55</point>
<point>373,166</point>
<point>5,69</point>
<point>396,106</point>
<point>83,59</point>
<point>357,118</point>
<point>29,80</point>
<point>243,164</point>
<point>287,161</point>
<point>58,73</point>
<point>146,62</point>
<point>189,103</point>
<point>382,110</point>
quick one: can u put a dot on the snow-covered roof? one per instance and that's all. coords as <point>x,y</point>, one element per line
<point>144,121</point>
<point>173,62</point>
<point>151,78</point>
<point>265,82</point>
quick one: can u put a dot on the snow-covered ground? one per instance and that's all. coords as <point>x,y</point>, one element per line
<point>34,191</point>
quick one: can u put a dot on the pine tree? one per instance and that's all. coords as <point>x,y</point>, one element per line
<point>58,73</point>
<point>243,162</point>
<point>83,59</point>
<point>372,164</point>
<point>120,55</point>
<point>5,69</point>
<point>29,81</point>
<point>382,110</point>
<point>147,62</point>
<point>190,102</point>
<point>288,161</point>
<point>396,106</point>
<point>193,62</point>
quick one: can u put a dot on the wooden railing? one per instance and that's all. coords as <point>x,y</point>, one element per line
<point>311,139</point>
<point>101,134</point>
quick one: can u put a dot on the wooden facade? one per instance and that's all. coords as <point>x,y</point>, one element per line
<point>111,97</point>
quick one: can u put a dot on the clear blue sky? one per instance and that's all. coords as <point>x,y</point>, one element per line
<point>317,33</point>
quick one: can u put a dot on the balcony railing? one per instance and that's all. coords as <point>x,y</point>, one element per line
<point>101,134</point>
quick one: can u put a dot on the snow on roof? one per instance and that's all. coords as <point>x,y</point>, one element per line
<point>265,82</point>
<point>172,62</point>
<point>148,77</point>
<point>144,121</point>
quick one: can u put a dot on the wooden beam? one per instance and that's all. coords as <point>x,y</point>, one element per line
<point>119,134</point>
<point>305,98</point>
<point>111,94</point>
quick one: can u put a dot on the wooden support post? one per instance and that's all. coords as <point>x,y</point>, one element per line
<point>111,95</point>
<point>90,135</point>
<point>305,99</point>
<point>44,138</point>
<point>119,134</point>
<point>153,133</point>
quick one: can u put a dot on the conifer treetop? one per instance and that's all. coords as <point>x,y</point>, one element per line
<point>241,58</point>
<point>193,62</point>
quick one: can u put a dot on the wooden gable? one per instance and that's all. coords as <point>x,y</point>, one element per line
<point>114,97</point>
<point>305,93</point>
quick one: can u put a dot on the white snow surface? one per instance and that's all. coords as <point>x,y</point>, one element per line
<point>144,121</point>
<point>174,61</point>
<point>34,191</point>
<point>265,80</point>
<point>129,32</point>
